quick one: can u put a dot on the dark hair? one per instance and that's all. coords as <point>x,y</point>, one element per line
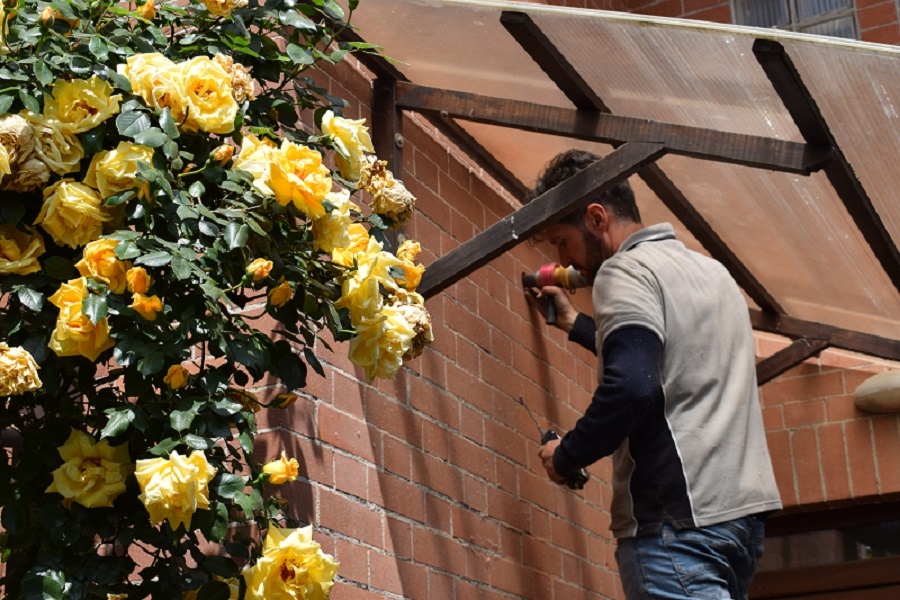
<point>619,199</point>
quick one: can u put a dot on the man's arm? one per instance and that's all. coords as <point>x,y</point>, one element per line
<point>631,384</point>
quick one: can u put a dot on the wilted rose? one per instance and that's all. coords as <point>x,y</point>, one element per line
<point>17,136</point>
<point>242,87</point>
<point>100,262</point>
<point>72,213</point>
<point>93,473</point>
<point>19,251</point>
<point>5,167</point>
<point>352,142</point>
<point>59,149</point>
<point>114,171</point>
<point>75,334</point>
<point>18,371</point>
<point>27,176</point>
<point>282,470</point>
<point>292,565</point>
<point>80,105</point>
<point>174,488</point>
<point>420,320</point>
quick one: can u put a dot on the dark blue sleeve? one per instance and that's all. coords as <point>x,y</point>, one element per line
<point>584,332</point>
<point>631,384</point>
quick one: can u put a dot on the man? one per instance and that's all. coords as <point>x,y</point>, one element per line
<point>676,406</point>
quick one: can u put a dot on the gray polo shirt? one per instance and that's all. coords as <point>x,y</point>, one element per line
<point>704,460</point>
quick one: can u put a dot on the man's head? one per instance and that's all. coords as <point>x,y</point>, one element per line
<point>588,236</point>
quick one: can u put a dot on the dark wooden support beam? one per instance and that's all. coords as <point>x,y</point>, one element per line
<point>551,61</point>
<point>387,125</point>
<point>836,337</point>
<point>771,367</point>
<point>802,106</point>
<point>545,53</point>
<point>543,210</point>
<point>754,151</point>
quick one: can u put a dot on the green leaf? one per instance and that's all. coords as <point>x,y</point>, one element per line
<point>196,190</point>
<point>181,268</point>
<point>292,18</point>
<point>228,485</point>
<point>160,258</point>
<point>98,48</point>
<point>152,137</point>
<point>127,250</point>
<point>32,299</point>
<point>29,101</point>
<point>236,235</point>
<point>132,123</point>
<point>152,363</point>
<point>197,442</point>
<point>94,307</point>
<point>182,419</point>
<point>119,420</point>
<point>59,268</point>
<point>300,54</point>
<point>43,73</point>
<point>5,102</point>
<point>164,448</point>
<point>221,566</point>
<point>168,124</point>
<point>44,585</point>
<point>92,141</point>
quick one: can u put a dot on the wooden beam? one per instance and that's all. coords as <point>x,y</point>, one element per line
<point>387,125</point>
<point>754,151</point>
<point>771,367</point>
<point>871,345</point>
<point>871,579</point>
<point>543,210</point>
<point>801,104</point>
<point>551,61</point>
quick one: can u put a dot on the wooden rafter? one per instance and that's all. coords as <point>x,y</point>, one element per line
<point>798,100</point>
<point>771,367</point>
<point>548,57</point>
<point>736,148</point>
<point>543,210</point>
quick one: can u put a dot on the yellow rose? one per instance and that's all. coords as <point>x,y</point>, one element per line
<point>72,213</point>
<point>361,290</point>
<point>114,171</point>
<point>146,306</point>
<point>381,342</point>
<point>147,11</point>
<point>259,269</point>
<point>75,334</point>
<point>19,251</point>
<point>412,273</point>
<point>176,377</point>
<point>223,8</point>
<point>18,371</point>
<point>158,81</point>
<point>100,262</point>
<point>81,105</point>
<point>330,230</point>
<point>292,566</point>
<point>280,294</point>
<point>174,488</point>
<point>138,280</point>
<point>255,157</point>
<point>58,148</point>
<point>207,93</point>
<point>296,174</point>
<point>222,155</point>
<point>359,241</point>
<point>282,470</point>
<point>352,142</point>
<point>93,473</point>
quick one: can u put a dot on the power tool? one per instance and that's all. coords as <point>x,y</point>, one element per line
<point>575,480</point>
<point>554,274</point>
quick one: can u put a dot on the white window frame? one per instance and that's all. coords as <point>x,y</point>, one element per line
<point>795,24</point>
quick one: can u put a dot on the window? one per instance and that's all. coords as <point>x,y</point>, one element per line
<point>823,17</point>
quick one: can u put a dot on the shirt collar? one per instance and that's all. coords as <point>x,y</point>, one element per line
<point>653,233</point>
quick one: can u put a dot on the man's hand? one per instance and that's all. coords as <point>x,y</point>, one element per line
<point>546,456</point>
<point>565,311</point>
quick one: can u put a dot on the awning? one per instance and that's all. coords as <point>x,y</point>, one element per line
<point>774,152</point>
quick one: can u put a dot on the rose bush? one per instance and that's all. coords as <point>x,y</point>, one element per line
<point>160,194</point>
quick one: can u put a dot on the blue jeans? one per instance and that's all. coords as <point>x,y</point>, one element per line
<point>715,562</point>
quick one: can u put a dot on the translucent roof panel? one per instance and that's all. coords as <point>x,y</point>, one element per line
<point>792,232</point>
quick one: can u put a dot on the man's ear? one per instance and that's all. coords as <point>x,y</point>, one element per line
<point>596,219</point>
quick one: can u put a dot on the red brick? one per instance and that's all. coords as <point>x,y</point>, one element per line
<point>440,585</point>
<point>354,560</point>
<point>396,456</point>
<point>336,511</point>
<point>888,34</point>
<point>401,497</point>
<point>348,433</point>
<point>508,509</point>
<point>437,513</point>
<point>398,537</point>
<point>348,591</point>
<point>437,549</point>
<point>861,454</point>
<point>385,573</point>
<point>805,451</point>
<point>472,458</point>
<point>841,408</point>
<point>539,555</point>
<point>473,528</point>
<point>792,389</point>
<point>834,461</point>
<point>351,475</point>
<point>886,431</point>
<point>877,16</point>
<point>433,401</point>
<point>435,439</point>
<point>801,414</point>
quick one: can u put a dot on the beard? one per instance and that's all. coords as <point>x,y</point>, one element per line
<point>595,255</point>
